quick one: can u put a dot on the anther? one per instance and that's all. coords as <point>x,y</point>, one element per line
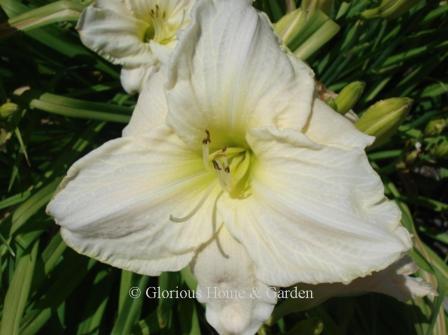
<point>207,139</point>
<point>205,149</point>
<point>216,165</point>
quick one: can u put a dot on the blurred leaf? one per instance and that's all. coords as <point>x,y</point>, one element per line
<point>95,308</point>
<point>33,204</point>
<point>80,109</point>
<point>18,292</point>
<point>130,312</point>
<point>63,10</point>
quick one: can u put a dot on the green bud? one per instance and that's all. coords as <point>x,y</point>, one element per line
<point>435,127</point>
<point>8,109</point>
<point>383,118</point>
<point>305,32</point>
<point>389,9</point>
<point>349,96</point>
<point>312,5</point>
<point>412,157</point>
<point>290,25</point>
<point>440,150</point>
<point>5,136</point>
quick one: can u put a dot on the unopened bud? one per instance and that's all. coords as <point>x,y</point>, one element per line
<point>349,96</point>
<point>411,157</point>
<point>4,137</point>
<point>312,5</point>
<point>305,32</point>
<point>8,109</point>
<point>435,127</point>
<point>290,26</point>
<point>383,118</point>
<point>440,150</point>
<point>389,9</point>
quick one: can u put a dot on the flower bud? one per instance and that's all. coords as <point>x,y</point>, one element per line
<point>305,32</point>
<point>349,96</point>
<point>435,127</point>
<point>312,5</point>
<point>7,109</point>
<point>440,150</point>
<point>389,9</point>
<point>290,25</point>
<point>383,118</point>
<point>5,136</point>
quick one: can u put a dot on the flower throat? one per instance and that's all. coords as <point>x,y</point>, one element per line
<point>231,165</point>
<point>158,29</point>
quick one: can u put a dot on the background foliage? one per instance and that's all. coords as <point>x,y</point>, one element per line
<point>67,101</point>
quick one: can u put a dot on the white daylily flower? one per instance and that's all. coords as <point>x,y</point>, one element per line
<point>137,34</point>
<point>240,172</point>
<point>395,281</point>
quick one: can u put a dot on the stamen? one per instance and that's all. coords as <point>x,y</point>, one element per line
<point>220,248</point>
<point>215,224</point>
<point>224,178</point>
<point>216,165</point>
<point>231,165</point>
<point>194,210</point>
<point>205,149</point>
<point>225,164</point>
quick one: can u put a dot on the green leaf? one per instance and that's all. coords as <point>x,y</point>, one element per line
<point>167,281</point>
<point>66,278</point>
<point>130,312</point>
<point>33,204</point>
<point>95,307</point>
<point>18,292</point>
<point>188,317</point>
<point>58,11</point>
<point>79,109</point>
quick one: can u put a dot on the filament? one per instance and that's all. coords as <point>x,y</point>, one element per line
<point>194,210</point>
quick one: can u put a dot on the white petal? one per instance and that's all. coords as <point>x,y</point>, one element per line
<point>116,203</point>
<point>151,109</point>
<point>316,214</point>
<point>229,74</point>
<point>394,281</point>
<point>397,282</point>
<point>236,302</point>
<point>328,127</point>
<point>133,79</point>
<point>109,28</point>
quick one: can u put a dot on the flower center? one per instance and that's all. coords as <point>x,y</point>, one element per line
<point>231,165</point>
<point>159,30</point>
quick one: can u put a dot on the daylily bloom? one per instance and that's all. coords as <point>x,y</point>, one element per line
<point>232,166</point>
<point>137,34</point>
<point>395,281</point>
